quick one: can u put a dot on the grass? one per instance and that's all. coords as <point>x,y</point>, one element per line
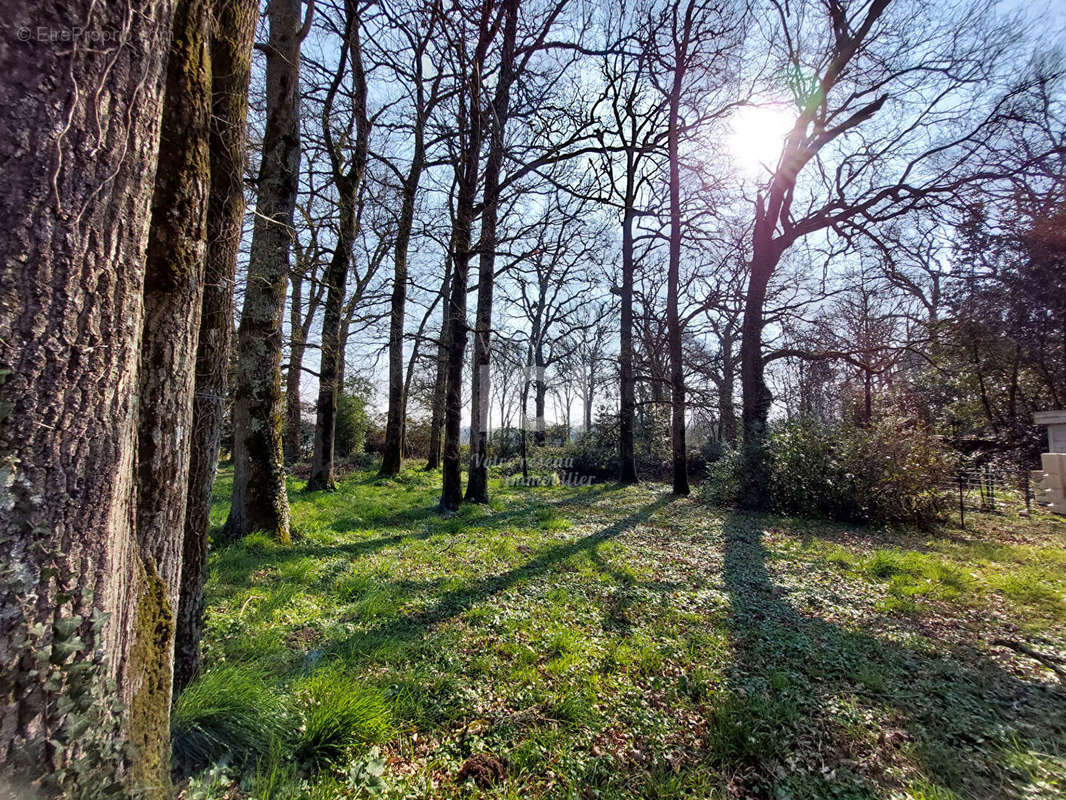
<point>615,642</point>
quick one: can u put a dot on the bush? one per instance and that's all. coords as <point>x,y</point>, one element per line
<point>353,421</point>
<point>226,713</point>
<point>722,484</point>
<point>888,471</point>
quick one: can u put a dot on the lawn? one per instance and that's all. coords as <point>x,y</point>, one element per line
<point>609,642</point>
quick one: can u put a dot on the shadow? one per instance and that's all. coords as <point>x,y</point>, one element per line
<point>809,703</point>
<point>412,626</point>
<point>467,514</point>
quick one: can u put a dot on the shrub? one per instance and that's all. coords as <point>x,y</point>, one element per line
<point>228,712</point>
<point>722,484</point>
<point>888,471</point>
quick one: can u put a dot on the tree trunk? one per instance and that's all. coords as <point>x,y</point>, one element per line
<point>477,487</point>
<point>470,121</point>
<point>292,438</point>
<point>260,501</point>
<point>540,391</point>
<point>329,368</point>
<point>673,322</point>
<point>440,381</point>
<point>451,478</point>
<point>231,61</point>
<point>627,388</point>
<point>78,576</point>
<point>348,184</point>
<point>755,470</point>
<point>173,293</point>
<point>392,458</point>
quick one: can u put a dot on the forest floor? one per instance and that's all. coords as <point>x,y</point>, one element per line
<point>610,642</point>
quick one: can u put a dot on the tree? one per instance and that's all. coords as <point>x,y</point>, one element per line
<point>92,405</point>
<point>469,122</point>
<point>871,143</point>
<point>477,489</point>
<point>632,117</point>
<point>427,93</point>
<point>232,36</point>
<point>259,498</point>
<point>347,171</point>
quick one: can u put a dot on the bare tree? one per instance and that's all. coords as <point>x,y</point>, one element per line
<point>878,132</point>
<point>418,29</point>
<point>348,169</point>
<point>259,498</point>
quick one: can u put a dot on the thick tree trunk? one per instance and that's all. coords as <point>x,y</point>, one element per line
<point>673,322</point>
<point>755,471</point>
<point>477,487</point>
<point>260,501</point>
<point>231,61</point>
<point>173,293</point>
<point>627,388</point>
<point>77,576</point>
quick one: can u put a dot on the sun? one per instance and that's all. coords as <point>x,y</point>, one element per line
<point>756,134</point>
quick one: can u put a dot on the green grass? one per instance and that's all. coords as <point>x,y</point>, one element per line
<point>228,712</point>
<point>618,643</point>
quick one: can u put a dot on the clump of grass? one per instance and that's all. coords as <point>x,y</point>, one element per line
<point>226,712</point>
<point>340,714</point>
<point>258,544</point>
<point>367,597</point>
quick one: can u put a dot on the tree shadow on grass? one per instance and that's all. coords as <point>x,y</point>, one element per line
<point>468,516</point>
<point>452,603</point>
<point>812,709</point>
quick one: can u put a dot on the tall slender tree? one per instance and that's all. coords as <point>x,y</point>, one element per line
<point>232,36</point>
<point>477,489</point>
<point>348,169</point>
<point>259,500</point>
<point>427,92</point>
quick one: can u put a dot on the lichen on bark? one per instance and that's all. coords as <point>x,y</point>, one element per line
<point>149,667</point>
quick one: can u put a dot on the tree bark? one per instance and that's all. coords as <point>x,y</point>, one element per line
<point>173,293</point>
<point>260,501</point>
<point>78,576</point>
<point>477,487</point>
<point>755,469</point>
<point>231,59</point>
